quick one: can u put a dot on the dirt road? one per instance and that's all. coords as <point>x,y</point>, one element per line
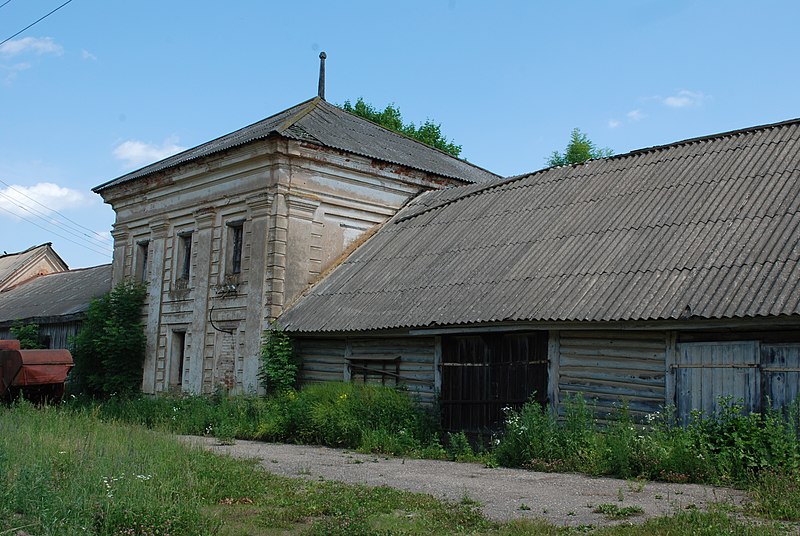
<point>563,499</point>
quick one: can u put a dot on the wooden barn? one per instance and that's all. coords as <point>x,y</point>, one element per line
<point>55,302</point>
<point>668,275</point>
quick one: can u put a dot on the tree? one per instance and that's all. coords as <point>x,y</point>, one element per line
<point>579,149</point>
<point>109,348</point>
<point>429,133</point>
<point>27,335</point>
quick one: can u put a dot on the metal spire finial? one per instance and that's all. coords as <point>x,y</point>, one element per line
<point>321,90</point>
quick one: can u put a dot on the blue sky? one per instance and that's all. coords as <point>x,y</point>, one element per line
<point>103,87</point>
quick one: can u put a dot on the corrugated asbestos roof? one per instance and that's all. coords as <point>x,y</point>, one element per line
<point>705,228</point>
<point>57,294</point>
<point>317,121</point>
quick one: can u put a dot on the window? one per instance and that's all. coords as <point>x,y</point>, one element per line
<point>383,371</point>
<point>142,251</point>
<point>184,255</point>
<point>235,240</point>
<point>177,358</point>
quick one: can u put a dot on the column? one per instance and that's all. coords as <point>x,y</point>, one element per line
<point>199,285</point>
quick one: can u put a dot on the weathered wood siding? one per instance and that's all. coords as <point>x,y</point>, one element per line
<point>707,371</point>
<point>780,373</point>
<point>59,334</point>
<point>328,359</point>
<point>612,367</point>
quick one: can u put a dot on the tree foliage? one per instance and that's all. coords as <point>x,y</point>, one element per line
<point>579,149</point>
<point>109,349</point>
<point>27,335</point>
<point>278,370</point>
<point>429,133</point>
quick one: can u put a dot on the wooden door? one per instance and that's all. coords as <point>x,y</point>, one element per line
<point>706,371</point>
<point>482,374</point>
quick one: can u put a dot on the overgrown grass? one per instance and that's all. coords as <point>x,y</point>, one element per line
<point>370,418</point>
<point>67,471</point>
<point>729,447</point>
<point>758,452</point>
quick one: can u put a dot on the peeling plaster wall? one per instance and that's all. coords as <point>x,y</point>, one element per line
<point>300,206</point>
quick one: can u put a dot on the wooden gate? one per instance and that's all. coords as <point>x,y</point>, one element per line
<point>482,374</point>
<point>706,371</point>
<point>780,373</point>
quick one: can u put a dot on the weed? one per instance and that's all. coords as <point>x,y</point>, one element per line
<point>613,511</point>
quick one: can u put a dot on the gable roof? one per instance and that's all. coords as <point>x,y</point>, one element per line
<point>703,228</point>
<point>17,267</point>
<point>58,294</point>
<point>318,121</point>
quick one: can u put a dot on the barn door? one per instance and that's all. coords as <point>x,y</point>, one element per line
<point>780,373</point>
<point>708,370</point>
<point>482,374</point>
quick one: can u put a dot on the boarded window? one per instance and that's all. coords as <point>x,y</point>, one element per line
<point>382,371</point>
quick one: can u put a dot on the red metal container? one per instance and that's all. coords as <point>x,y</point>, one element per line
<point>39,374</point>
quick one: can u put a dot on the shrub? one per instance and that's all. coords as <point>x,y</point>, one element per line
<point>27,335</point>
<point>278,371</point>
<point>727,447</point>
<point>109,349</point>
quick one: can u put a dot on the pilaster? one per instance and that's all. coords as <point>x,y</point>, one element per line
<point>199,285</point>
<point>258,213</point>
<point>120,235</point>
<point>155,283</point>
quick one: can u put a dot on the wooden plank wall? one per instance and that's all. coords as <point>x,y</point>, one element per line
<point>612,367</point>
<point>324,360</point>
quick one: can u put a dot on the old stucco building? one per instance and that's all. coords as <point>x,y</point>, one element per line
<point>228,233</point>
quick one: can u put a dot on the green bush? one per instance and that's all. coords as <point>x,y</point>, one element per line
<point>109,349</point>
<point>278,370</point>
<point>365,417</point>
<point>729,446</point>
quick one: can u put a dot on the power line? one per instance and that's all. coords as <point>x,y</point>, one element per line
<point>31,25</point>
<point>80,228</point>
<point>4,3</point>
<point>55,223</point>
<point>49,231</point>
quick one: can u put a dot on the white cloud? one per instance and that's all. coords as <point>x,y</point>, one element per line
<point>13,70</point>
<point>635,115</point>
<point>52,196</point>
<point>85,54</point>
<point>684,98</point>
<point>613,123</point>
<point>36,45</point>
<point>137,153</point>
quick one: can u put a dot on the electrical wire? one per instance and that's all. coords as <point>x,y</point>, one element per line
<point>98,242</point>
<point>4,3</point>
<point>77,226</point>
<point>31,25</point>
<point>53,232</point>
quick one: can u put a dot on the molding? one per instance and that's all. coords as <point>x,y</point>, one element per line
<point>159,228</point>
<point>205,216</point>
<point>302,207</point>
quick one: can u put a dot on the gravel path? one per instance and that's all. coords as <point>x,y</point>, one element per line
<point>563,499</point>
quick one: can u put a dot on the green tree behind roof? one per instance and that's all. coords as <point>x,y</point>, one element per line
<point>429,133</point>
<point>579,149</point>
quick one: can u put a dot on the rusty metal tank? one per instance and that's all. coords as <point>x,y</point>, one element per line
<point>39,375</point>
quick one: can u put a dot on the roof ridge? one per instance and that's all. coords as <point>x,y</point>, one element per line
<point>414,140</point>
<point>292,120</point>
<point>97,189</point>
<point>27,250</point>
<point>635,152</point>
